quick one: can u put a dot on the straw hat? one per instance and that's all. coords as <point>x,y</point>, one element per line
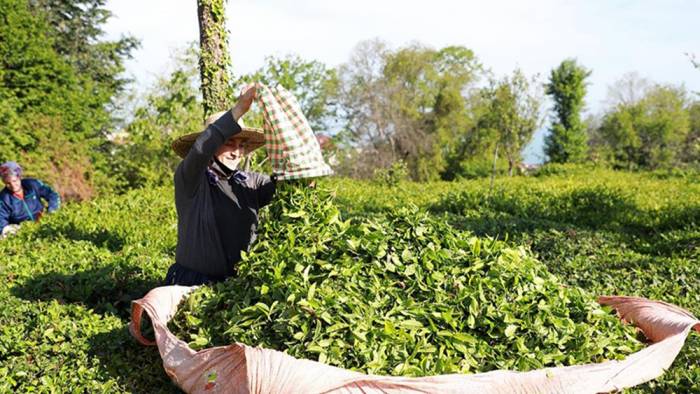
<point>254,138</point>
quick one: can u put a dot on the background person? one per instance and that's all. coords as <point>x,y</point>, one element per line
<point>20,199</point>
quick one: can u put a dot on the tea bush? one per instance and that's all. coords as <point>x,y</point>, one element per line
<point>66,283</point>
<point>646,244</point>
<point>393,175</point>
<point>66,289</point>
<point>400,293</point>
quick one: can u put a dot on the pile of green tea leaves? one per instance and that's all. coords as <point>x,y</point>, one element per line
<point>399,293</point>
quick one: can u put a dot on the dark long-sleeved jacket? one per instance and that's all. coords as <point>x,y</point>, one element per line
<point>217,217</point>
<point>15,211</point>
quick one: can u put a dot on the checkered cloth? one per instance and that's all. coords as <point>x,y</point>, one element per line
<point>290,143</point>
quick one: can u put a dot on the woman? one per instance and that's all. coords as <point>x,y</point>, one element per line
<point>20,199</point>
<point>217,205</point>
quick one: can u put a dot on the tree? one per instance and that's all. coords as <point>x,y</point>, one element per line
<point>649,133</point>
<point>691,150</point>
<point>53,114</point>
<point>597,149</point>
<point>141,153</point>
<point>512,114</point>
<point>619,131</point>
<point>566,141</point>
<point>406,105</point>
<point>312,83</point>
<point>362,97</point>
<point>76,30</point>
<point>628,90</point>
<point>694,60</point>
<point>35,76</point>
<point>214,61</point>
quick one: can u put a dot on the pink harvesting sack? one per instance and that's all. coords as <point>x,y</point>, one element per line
<point>239,368</point>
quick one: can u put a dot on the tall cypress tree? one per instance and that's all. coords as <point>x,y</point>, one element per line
<point>567,141</point>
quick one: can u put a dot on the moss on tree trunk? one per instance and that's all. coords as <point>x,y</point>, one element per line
<point>214,59</point>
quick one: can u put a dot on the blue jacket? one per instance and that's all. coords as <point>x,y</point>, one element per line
<point>14,211</point>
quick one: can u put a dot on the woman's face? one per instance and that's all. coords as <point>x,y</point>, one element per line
<point>13,183</point>
<point>231,153</point>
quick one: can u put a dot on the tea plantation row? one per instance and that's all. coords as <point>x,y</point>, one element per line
<point>67,282</point>
<point>606,232</point>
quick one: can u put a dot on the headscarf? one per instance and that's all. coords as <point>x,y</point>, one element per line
<point>10,168</point>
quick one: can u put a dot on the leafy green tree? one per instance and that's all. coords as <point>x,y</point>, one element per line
<point>76,29</point>
<point>409,104</point>
<point>691,150</point>
<point>512,114</point>
<point>312,83</point>
<point>649,133</point>
<point>53,113</point>
<point>620,133</point>
<point>33,77</point>
<point>141,153</point>
<point>566,141</point>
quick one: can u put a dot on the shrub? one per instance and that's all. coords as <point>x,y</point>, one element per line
<point>399,293</point>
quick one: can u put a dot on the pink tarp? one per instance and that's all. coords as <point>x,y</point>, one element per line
<point>239,368</point>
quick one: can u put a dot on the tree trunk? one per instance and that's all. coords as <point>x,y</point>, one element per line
<point>510,167</point>
<point>493,172</point>
<point>214,59</point>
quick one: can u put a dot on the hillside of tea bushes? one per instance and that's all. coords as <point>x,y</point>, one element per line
<point>574,232</point>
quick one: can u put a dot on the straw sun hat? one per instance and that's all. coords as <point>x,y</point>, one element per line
<point>254,138</point>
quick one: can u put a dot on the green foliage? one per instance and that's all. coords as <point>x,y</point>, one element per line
<point>606,231</point>
<point>391,176</point>
<point>141,153</point>
<point>512,114</point>
<point>66,282</point>
<point>565,169</point>
<point>311,83</point>
<point>651,132</point>
<point>409,104</point>
<point>480,168</point>
<point>76,29</point>
<point>400,293</point>
<point>214,60</point>
<point>52,112</point>
<point>35,79</point>
<point>691,150</point>
<point>566,141</point>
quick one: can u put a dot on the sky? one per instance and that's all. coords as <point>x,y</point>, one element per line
<point>609,37</point>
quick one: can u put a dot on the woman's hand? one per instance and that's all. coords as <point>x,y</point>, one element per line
<point>9,229</point>
<point>244,102</point>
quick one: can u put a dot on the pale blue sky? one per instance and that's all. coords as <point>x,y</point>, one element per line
<point>610,37</point>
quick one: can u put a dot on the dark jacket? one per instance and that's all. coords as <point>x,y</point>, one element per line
<point>217,215</point>
<point>15,211</point>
